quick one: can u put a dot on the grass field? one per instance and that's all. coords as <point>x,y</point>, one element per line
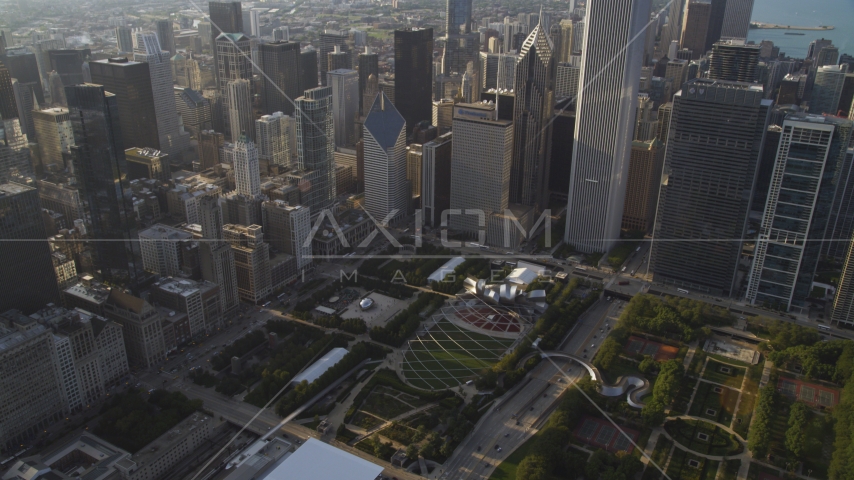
<point>702,437</point>
<point>748,400</point>
<point>448,356</point>
<point>724,374</point>
<point>713,405</point>
<point>687,466</point>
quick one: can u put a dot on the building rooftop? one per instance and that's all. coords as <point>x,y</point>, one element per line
<point>94,293</point>
<point>164,232</point>
<point>319,461</point>
<point>13,189</point>
<point>168,440</point>
<point>183,286</point>
<point>319,367</point>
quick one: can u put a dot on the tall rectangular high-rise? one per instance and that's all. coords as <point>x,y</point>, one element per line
<point>216,257</point>
<point>827,89</point>
<point>604,124</point>
<point>68,63</point>
<point>241,120</point>
<point>276,138</point>
<point>54,133</point>
<point>329,39</point>
<point>384,134</point>
<point>811,160</point>
<point>843,302</point>
<point>716,136</point>
<point>8,107</point>
<point>368,65</point>
<point>98,155</point>
<point>24,66</point>
<point>734,61</point>
<point>130,82</point>
<point>247,176</point>
<point>251,260</point>
<point>173,140</point>
<point>436,178</point>
<point>532,112</point>
<point>316,148</point>
<point>413,74</point>
<point>481,159</point>
<point>287,228</point>
<point>645,166</point>
<point>209,145</point>
<point>308,67</point>
<point>165,36</point>
<point>737,19</point>
<point>225,17</point>
<point>124,39</point>
<point>29,282</point>
<point>695,27</point>
<point>234,62</point>
<point>281,75</point>
<point>345,105</point>
<point>14,152</point>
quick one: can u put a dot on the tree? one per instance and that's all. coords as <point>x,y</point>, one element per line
<point>653,413</point>
<point>412,451</point>
<point>608,354</point>
<point>647,365</point>
<point>796,437</point>
<point>533,467</point>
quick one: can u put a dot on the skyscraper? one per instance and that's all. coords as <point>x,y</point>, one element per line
<point>14,152</point>
<point>24,66</point>
<point>99,162</point>
<point>695,27</point>
<point>209,145</point>
<point>124,39</point>
<point>647,160</point>
<point>810,160</point>
<point>338,59</point>
<point>734,61</point>
<point>233,63</point>
<point>604,122</point>
<point>216,257</point>
<point>843,301</point>
<point>532,111</point>
<point>329,39</point>
<point>737,19</point>
<point>385,161</point>
<point>281,75</point>
<point>53,129</point>
<point>316,148</point>
<point>247,176</point>
<point>436,179</point>
<point>173,140</point>
<point>481,159</point>
<point>275,137</point>
<point>287,228</point>
<point>251,261</point>
<point>8,107</point>
<point>458,17</point>
<point>413,68</point>
<point>240,117</point>
<point>716,22</point>
<point>29,282</point>
<point>225,17</point>
<point>345,105</point>
<point>827,89</point>
<point>130,83</point>
<point>368,65</point>
<point>68,63</point>
<point>308,66</point>
<point>706,186</point>
<point>166,36</point>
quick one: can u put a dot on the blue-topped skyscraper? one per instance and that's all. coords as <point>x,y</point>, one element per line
<point>384,139</point>
<point>811,166</point>
<point>532,128</point>
<point>605,118</point>
<point>98,155</point>
<point>461,45</point>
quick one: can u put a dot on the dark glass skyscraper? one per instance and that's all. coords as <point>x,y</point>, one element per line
<point>98,155</point>
<point>28,281</point>
<point>532,129</point>
<point>717,132</point>
<point>8,107</point>
<point>368,65</point>
<point>165,35</point>
<point>68,64</point>
<point>413,74</point>
<point>280,62</point>
<point>130,82</point>
<point>24,67</point>
<point>328,40</point>
<point>734,61</point>
<point>458,18</point>
<point>225,17</point>
<point>308,65</point>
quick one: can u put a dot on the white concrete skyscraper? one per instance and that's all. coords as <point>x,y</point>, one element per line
<point>173,139</point>
<point>385,160</point>
<point>827,89</point>
<point>610,74</point>
<point>247,174</point>
<point>239,101</point>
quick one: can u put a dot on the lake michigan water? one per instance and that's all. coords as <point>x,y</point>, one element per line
<point>811,13</point>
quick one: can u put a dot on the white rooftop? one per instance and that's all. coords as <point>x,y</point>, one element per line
<point>521,276</point>
<point>316,460</point>
<point>445,269</point>
<point>319,367</point>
